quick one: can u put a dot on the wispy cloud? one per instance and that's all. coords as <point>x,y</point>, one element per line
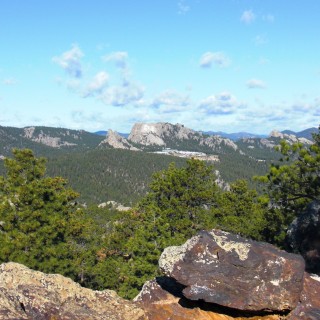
<point>260,40</point>
<point>70,61</point>
<point>183,7</point>
<point>247,17</point>
<point>214,58</point>
<point>256,84</point>
<point>97,85</point>
<point>9,82</point>
<point>119,58</point>
<point>170,101</point>
<point>268,18</point>
<point>220,104</point>
<point>119,96</point>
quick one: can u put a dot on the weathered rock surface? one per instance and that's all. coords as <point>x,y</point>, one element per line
<point>289,138</point>
<point>162,300</point>
<point>155,133</point>
<point>114,140</point>
<point>309,305</point>
<point>51,141</point>
<point>30,295</point>
<point>225,269</point>
<point>162,133</point>
<point>304,237</point>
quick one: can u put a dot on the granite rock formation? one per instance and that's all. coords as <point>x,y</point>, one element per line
<point>116,141</point>
<point>164,134</point>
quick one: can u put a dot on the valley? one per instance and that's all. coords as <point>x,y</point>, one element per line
<point>116,168</point>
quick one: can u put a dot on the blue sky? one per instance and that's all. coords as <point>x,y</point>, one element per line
<point>226,65</point>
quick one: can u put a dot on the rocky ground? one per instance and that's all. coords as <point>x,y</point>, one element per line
<point>213,276</point>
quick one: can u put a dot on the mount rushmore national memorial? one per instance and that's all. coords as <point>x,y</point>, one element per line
<point>167,216</point>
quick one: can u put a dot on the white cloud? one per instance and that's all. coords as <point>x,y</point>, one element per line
<point>170,101</point>
<point>119,96</point>
<point>9,81</point>
<point>217,58</point>
<point>97,85</point>
<point>248,17</point>
<point>183,8</point>
<point>119,58</point>
<point>70,61</point>
<point>220,104</point>
<point>256,84</point>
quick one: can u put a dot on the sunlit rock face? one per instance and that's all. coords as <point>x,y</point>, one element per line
<point>116,141</point>
<point>225,269</point>
<point>29,295</point>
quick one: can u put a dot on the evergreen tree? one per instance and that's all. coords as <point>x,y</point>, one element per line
<point>240,210</point>
<point>40,225</point>
<point>290,186</point>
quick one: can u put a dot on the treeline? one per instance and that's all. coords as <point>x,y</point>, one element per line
<point>109,174</point>
<point>43,227</point>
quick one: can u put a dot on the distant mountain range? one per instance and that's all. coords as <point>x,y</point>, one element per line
<point>236,135</point>
<point>307,133</point>
<point>106,166</point>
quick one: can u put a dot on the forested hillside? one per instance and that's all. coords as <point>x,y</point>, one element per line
<point>113,174</point>
<point>101,173</point>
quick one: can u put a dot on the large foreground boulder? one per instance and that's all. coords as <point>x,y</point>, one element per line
<point>309,305</point>
<point>30,295</point>
<point>162,300</point>
<point>303,237</point>
<point>228,270</point>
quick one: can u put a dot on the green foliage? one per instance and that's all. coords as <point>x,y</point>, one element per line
<point>291,185</point>
<point>112,174</point>
<point>181,201</point>
<point>240,211</point>
<point>40,224</point>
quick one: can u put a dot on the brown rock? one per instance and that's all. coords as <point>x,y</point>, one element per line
<point>309,306</point>
<point>31,295</point>
<point>303,236</point>
<point>231,271</point>
<point>161,304</point>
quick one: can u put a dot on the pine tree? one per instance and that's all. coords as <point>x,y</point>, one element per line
<point>40,225</point>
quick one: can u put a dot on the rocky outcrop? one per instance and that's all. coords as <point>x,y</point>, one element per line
<point>156,133</point>
<point>162,300</point>
<point>309,305</point>
<point>290,138</point>
<point>114,140</point>
<point>47,139</point>
<point>30,295</point>
<point>165,134</point>
<point>222,268</point>
<point>303,237</point>
<point>213,276</point>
